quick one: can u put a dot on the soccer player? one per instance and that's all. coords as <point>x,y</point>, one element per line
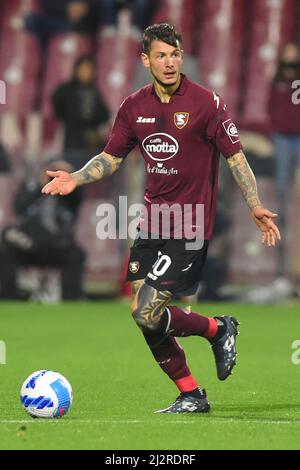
<point>181,129</point>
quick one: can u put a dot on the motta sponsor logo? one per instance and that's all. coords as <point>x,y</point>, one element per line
<point>231,131</point>
<point>160,147</point>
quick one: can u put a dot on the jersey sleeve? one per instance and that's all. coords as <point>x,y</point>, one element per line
<point>221,130</point>
<point>122,138</point>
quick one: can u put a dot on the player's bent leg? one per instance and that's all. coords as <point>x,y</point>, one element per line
<point>221,332</point>
<point>153,318</point>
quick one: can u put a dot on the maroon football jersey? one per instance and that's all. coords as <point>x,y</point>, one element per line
<point>181,142</point>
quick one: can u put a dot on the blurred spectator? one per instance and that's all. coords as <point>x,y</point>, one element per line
<point>285,125</point>
<point>141,10</point>
<point>80,107</point>
<point>43,236</point>
<point>4,161</point>
<point>60,16</point>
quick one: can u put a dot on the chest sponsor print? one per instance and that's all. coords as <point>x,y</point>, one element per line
<point>160,147</point>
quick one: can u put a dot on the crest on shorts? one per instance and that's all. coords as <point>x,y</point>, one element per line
<point>181,119</point>
<point>134,267</point>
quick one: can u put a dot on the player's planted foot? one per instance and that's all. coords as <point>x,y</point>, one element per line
<point>224,345</point>
<point>186,403</point>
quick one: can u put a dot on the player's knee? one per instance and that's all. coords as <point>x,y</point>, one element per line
<point>144,321</point>
<point>144,309</point>
<point>142,315</point>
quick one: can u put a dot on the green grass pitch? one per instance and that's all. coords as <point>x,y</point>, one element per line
<point>117,385</point>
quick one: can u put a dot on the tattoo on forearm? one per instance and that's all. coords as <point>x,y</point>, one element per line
<point>245,179</point>
<point>100,166</point>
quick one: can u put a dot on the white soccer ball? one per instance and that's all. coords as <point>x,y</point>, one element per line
<point>46,394</point>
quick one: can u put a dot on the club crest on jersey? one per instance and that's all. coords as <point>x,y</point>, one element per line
<point>181,119</point>
<point>134,267</point>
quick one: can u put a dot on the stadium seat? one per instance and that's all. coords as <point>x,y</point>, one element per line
<point>272,25</point>
<point>183,14</point>
<point>220,51</point>
<point>63,51</point>
<point>103,256</point>
<point>12,8</point>
<point>18,73</point>
<point>290,20</point>
<point>115,77</point>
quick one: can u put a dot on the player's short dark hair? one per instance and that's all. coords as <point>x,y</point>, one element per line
<point>160,32</point>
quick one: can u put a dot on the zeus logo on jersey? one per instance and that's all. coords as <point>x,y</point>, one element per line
<point>231,131</point>
<point>160,147</point>
<point>142,120</point>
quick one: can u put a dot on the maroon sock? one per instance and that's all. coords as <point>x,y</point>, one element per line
<point>171,358</point>
<point>183,323</point>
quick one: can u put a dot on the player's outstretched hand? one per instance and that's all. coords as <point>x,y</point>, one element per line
<point>264,220</point>
<point>63,183</point>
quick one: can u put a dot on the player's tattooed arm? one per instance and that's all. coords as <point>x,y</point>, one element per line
<point>245,179</point>
<point>97,168</point>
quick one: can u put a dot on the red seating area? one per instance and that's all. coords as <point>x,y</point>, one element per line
<point>116,76</point>
<point>271,25</point>
<point>11,8</point>
<point>19,74</point>
<point>184,14</point>
<point>103,256</point>
<point>221,48</point>
<point>117,55</point>
<point>234,44</point>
